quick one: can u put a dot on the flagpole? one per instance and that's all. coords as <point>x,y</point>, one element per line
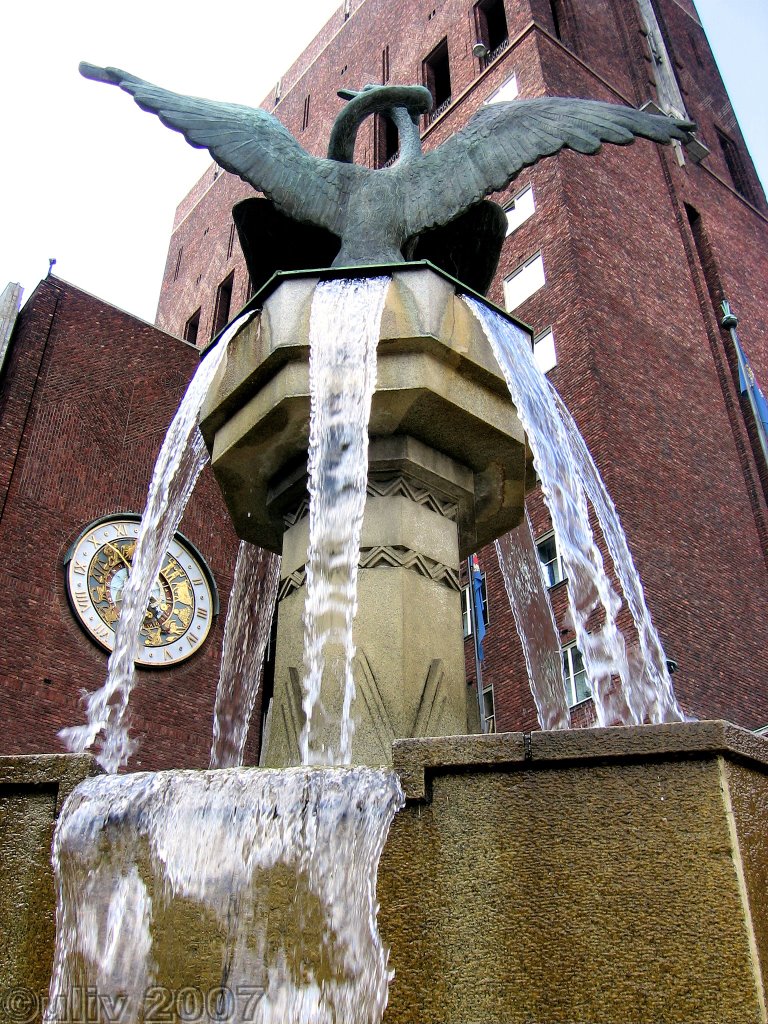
<point>729,323</point>
<point>478,666</point>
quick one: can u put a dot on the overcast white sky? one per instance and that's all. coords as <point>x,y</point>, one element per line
<point>93,181</point>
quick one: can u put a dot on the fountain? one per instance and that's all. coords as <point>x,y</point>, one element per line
<point>603,875</point>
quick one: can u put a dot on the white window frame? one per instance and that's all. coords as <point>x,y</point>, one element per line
<point>490,719</point>
<point>557,561</point>
<point>544,351</point>
<point>507,91</point>
<point>466,612</point>
<point>570,674</point>
<point>530,277</point>
<point>521,209</point>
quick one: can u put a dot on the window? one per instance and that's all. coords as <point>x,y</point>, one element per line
<point>736,166</point>
<point>191,328</point>
<point>521,208</point>
<point>489,709</point>
<point>491,27</point>
<point>178,262</point>
<point>386,141</point>
<point>551,563</point>
<point>223,303</point>
<point>526,280</point>
<point>385,65</point>
<point>466,607</point>
<point>437,78</point>
<point>466,613</point>
<point>575,675</point>
<point>507,91</point>
<point>231,242</point>
<point>544,353</point>
<point>305,117</point>
<point>563,22</point>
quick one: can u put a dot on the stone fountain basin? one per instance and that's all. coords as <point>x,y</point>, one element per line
<point>600,875</point>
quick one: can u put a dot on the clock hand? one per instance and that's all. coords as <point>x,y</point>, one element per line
<point>154,605</point>
<point>119,554</point>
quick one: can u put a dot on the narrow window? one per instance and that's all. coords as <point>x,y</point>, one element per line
<point>575,674</point>
<point>278,90</point>
<point>520,209</point>
<point>564,23</point>
<point>437,78</point>
<point>347,9</point>
<point>178,262</point>
<point>223,303</point>
<point>192,327</point>
<point>549,556</point>
<point>544,351</point>
<point>386,141</point>
<point>489,709</point>
<point>385,65</point>
<point>736,166</point>
<point>466,612</point>
<point>305,119</point>
<point>491,27</point>
<point>231,242</point>
<point>507,91</point>
<point>524,281</point>
<point>706,256</point>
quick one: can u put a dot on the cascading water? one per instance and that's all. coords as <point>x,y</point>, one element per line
<point>535,624</point>
<point>651,681</point>
<point>295,851</point>
<point>560,465</point>
<point>344,332</point>
<point>182,458</point>
<point>126,848</point>
<point>246,633</point>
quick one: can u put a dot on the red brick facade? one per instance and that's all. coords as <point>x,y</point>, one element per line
<point>85,399</point>
<point>638,247</point>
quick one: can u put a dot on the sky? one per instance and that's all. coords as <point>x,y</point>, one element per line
<point>90,180</point>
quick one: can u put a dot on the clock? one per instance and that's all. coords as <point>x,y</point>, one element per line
<point>182,606</point>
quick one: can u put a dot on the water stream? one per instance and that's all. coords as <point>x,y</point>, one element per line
<point>567,472</point>
<point>535,624</point>
<point>182,458</point>
<point>344,333</point>
<point>246,634</point>
<point>275,872</point>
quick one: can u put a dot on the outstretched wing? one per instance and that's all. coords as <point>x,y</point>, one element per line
<point>248,142</point>
<point>503,138</point>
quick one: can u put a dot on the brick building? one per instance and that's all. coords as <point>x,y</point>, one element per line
<point>86,396</point>
<point>618,261</point>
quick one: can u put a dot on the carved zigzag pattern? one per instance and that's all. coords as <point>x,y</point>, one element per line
<point>383,557</point>
<point>388,487</point>
<point>417,492</point>
<point>396,557</point>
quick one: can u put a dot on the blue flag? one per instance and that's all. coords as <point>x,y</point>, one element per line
<point>477,593</point>
<point>748,384</point>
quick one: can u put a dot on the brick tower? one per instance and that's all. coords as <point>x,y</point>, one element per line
<point>619,262</point>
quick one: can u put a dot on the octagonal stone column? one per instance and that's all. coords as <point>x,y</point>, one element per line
<point>448,464</point>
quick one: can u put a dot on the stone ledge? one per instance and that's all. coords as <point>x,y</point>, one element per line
<point>417,760</point>
<point>59,771</point>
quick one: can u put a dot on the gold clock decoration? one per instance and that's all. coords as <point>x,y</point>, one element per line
<point>182,606</point>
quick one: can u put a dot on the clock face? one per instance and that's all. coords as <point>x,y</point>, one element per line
<point>182,605</point>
